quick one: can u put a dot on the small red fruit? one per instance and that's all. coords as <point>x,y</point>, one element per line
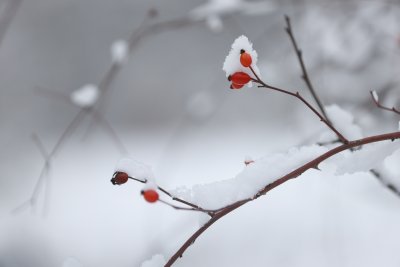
<point>240,78</point>
<point>150,195</point>
<point>119,178</point>
<point>245,59</point>
<point>236,86</point>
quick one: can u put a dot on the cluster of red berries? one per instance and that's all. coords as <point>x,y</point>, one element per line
<point>150,195</point>
<point>239,79</point>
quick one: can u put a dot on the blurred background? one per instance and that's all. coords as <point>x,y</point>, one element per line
<point>169,105</point>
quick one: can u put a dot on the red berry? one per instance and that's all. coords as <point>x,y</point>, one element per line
<point>120,178</point>
<point>245,59</point>
<point>236,86</point>
<point>240,78</point>
<point>150,195</point>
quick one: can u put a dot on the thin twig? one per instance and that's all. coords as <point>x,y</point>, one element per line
<point>191,205</point>
<point>305,75</point>
<point>379,105</point>
<point>389,186</point>
<point>298,96</point>
<point>296,173</point>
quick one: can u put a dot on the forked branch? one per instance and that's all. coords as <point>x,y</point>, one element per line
<point>375,98</point>
<point>298,96</point>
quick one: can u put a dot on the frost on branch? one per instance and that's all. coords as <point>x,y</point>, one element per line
<point>85,96</point>
<point>344,123</point>
<point>232,61</point>
<point>253,177</point>
<point>157,260</point>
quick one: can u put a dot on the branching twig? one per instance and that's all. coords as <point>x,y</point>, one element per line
<point>379,105</point>
<point>104,85</point>
<point>313,92</point>
<point>297,172</point>
<point>192,206</point>
<point>304,76</point>
<point>298,96</point>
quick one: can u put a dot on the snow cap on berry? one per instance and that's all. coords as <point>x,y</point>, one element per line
<point>232,61</point>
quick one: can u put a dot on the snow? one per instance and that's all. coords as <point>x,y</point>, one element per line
<point>85,96</point>
<point>232,61</point>
<point>71,262</point>
<point>202,218</point>
<point>150,185</point>
<point>375,96</point>
<point>343,122</point>
<point>364,159</point>
<point>157,260</point>
<point>250,180</point>
<point>392,169</point>
<point>119,51</point>
<point>135,169</point>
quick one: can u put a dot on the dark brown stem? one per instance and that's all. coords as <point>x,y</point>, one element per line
<point>298,96</point>
<point>311,164</point>
<point>379,105</point>
<point>305,75</point>
<point>194,207</point>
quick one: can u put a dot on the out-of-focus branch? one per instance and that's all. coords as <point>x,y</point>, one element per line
<point>104,85</point>
<point>9,11</point>
<point>193,207</point>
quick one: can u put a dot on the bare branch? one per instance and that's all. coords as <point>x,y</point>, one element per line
<point>375,98</point>
<point>304,76</point>
<point>193,206</point>
<point>298,96</point>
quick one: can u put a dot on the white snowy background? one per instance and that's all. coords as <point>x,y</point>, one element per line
<point>172,108</point>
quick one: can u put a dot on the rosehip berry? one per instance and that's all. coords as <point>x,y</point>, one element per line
<point>150,195</point>
<point>119,178</point>
<point>245,59</point>
<point>236,86</point>
<point>240,78</point>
